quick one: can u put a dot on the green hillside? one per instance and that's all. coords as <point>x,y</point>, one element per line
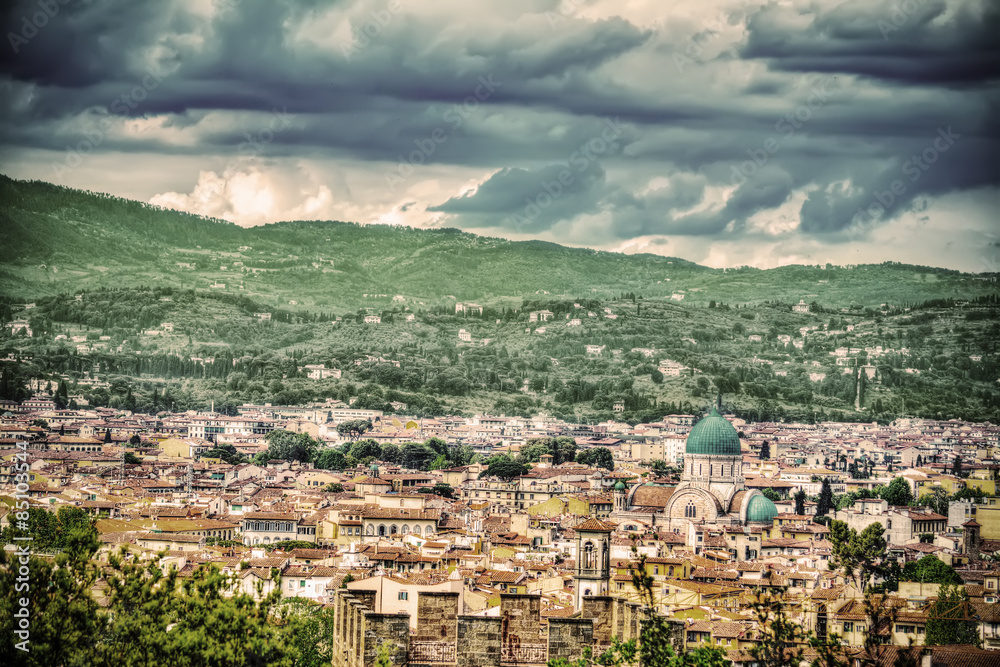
<point>130,306</point>
<point>60,240</point>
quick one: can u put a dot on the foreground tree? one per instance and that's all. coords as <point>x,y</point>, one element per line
<point>930,570</point>
<point>64,617</point>
<point>780,640</point>
<point>150,618</point>
<point>950,619</point>
<point>860,556</point>
<point>825,502</point>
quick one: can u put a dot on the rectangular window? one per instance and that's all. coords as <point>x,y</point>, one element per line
<point>403,595</point>
<point>848,626</point>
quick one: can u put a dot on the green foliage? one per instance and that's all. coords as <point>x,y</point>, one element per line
<point>444,490</point>
<point>132,459</point>
<point>226,452</point>
<point>353,429</point>
<point>897,492</point>
<point>937,500</point>
<point>931,570</point>
<point>363,449</point>
<point>310,628</point>
<point>860,556</point>
<point>65,620</point>
<point>288,446</point>
<point>334,487</point>
<point>771,494</point>
<point>561,449</point>
<point>417,455</point>
<point>287,545</point>
<point>48,531</point>
<point>329,459</point>
<point>598,457</point>
<point>800,502</point>
<point>825,502</point>
<point>780,640</point>
<point>507,470</point>
<point>976,495</point>
<point>950,619</point>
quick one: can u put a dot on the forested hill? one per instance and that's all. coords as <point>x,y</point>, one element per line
<point>59,240</point>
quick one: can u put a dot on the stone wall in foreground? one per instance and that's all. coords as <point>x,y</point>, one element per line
<point>445,638</point>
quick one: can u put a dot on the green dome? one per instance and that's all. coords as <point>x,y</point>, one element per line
<point>713,435</point>
<point>761,509</point>
<point>620,486</point>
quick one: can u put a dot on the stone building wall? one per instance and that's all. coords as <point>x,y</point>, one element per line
<point>612,617</point>
<point>446,639</point>
<point>479,640</point>
<point>569,636</point>
<point>437,616</point>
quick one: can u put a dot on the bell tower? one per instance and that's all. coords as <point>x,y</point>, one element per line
<point>592,575</point>
<point>621,497</point>
<point>970,538</point>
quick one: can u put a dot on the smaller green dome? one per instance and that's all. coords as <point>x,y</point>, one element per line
<point>761,509</point>
<point>620,486</point>
<point>373,466</point>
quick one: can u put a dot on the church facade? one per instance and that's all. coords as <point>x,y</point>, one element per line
<point>712,488</point>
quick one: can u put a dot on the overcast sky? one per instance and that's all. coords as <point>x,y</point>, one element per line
<point>721,131</point>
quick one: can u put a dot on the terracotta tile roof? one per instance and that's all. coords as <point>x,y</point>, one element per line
<point>595,525</point>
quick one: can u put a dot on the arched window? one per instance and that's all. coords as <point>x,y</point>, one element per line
<point>392,529</point>
<point>406,529</point>
<point>381,530</point>
<point>589,557</point>
<point>371,529</point>
<point>670,571</point>
<point>690,511</point>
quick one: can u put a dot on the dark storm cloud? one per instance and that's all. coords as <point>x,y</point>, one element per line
<point>530,200</point>
<point>506,97</point>
<point>898,41</point>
